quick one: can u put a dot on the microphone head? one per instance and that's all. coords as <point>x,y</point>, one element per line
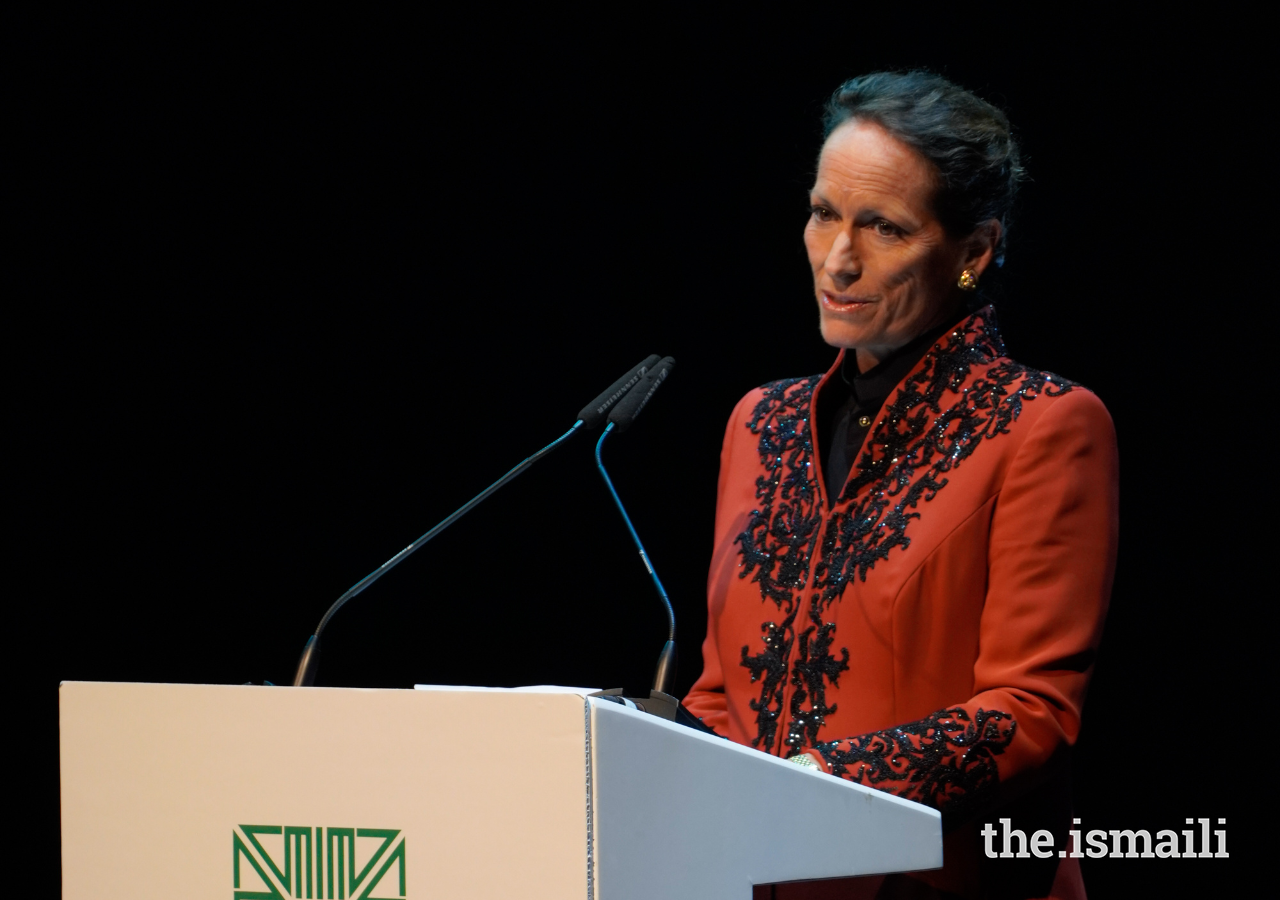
<point>626,411</point>
<point>594,413</point>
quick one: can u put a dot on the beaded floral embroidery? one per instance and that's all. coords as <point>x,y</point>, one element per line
<point>946,760</point>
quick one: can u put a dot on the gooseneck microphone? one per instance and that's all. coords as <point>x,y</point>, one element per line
<point>588,419</point>
<point>620,420</point>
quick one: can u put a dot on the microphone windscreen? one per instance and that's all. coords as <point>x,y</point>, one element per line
<point>593,414</point>
<point>626,411</point>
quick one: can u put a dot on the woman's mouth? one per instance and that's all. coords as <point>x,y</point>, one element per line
<point>844,302</point>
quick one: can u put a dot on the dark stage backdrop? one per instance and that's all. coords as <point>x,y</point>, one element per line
<point>295,300</point>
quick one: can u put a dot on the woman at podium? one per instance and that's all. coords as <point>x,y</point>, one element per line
<point>914,550</point>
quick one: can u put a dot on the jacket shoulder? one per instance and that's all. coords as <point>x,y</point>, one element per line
<point>1057,397</point>
<point>786,398</point>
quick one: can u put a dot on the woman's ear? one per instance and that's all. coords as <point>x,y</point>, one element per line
<point>980,247</point>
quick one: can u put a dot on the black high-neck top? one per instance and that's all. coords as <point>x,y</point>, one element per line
<point>850,401</point>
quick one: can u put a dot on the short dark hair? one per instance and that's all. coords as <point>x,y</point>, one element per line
<point>967,140</point>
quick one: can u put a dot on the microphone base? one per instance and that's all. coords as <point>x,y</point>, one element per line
<point>664,675</point>
<point>664,706</point>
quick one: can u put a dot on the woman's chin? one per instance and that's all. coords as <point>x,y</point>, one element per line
<point>840,333</point>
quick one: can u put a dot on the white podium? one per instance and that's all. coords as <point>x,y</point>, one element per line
<point>259,793</point>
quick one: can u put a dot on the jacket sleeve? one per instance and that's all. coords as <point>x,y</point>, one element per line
<point>706,698</point>
<point>1051,558</point>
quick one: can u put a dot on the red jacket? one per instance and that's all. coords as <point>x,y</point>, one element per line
<point>930,632</point>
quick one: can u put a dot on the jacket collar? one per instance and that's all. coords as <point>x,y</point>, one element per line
<point>972,340</point>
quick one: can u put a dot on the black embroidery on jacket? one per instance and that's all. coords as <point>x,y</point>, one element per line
<point>814,663</point>
<point>781,533</point>
<point>945,760</point>
<point>783,529</point>
<point>916,444</point>
<point>770,667</point>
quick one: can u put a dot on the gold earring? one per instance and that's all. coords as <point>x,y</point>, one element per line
<point>968,280</point>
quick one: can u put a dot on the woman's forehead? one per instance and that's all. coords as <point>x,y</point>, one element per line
<point>861,159</point>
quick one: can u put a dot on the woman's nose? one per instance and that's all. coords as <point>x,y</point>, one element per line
<point>842,265</point>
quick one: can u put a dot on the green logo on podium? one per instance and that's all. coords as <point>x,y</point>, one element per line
<point>297,862</point>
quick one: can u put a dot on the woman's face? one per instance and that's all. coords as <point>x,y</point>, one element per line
<point>884,269</point>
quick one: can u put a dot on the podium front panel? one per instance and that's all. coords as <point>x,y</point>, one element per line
<point>180,790</point>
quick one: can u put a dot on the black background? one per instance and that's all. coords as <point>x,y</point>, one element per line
<point>299,289</point>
